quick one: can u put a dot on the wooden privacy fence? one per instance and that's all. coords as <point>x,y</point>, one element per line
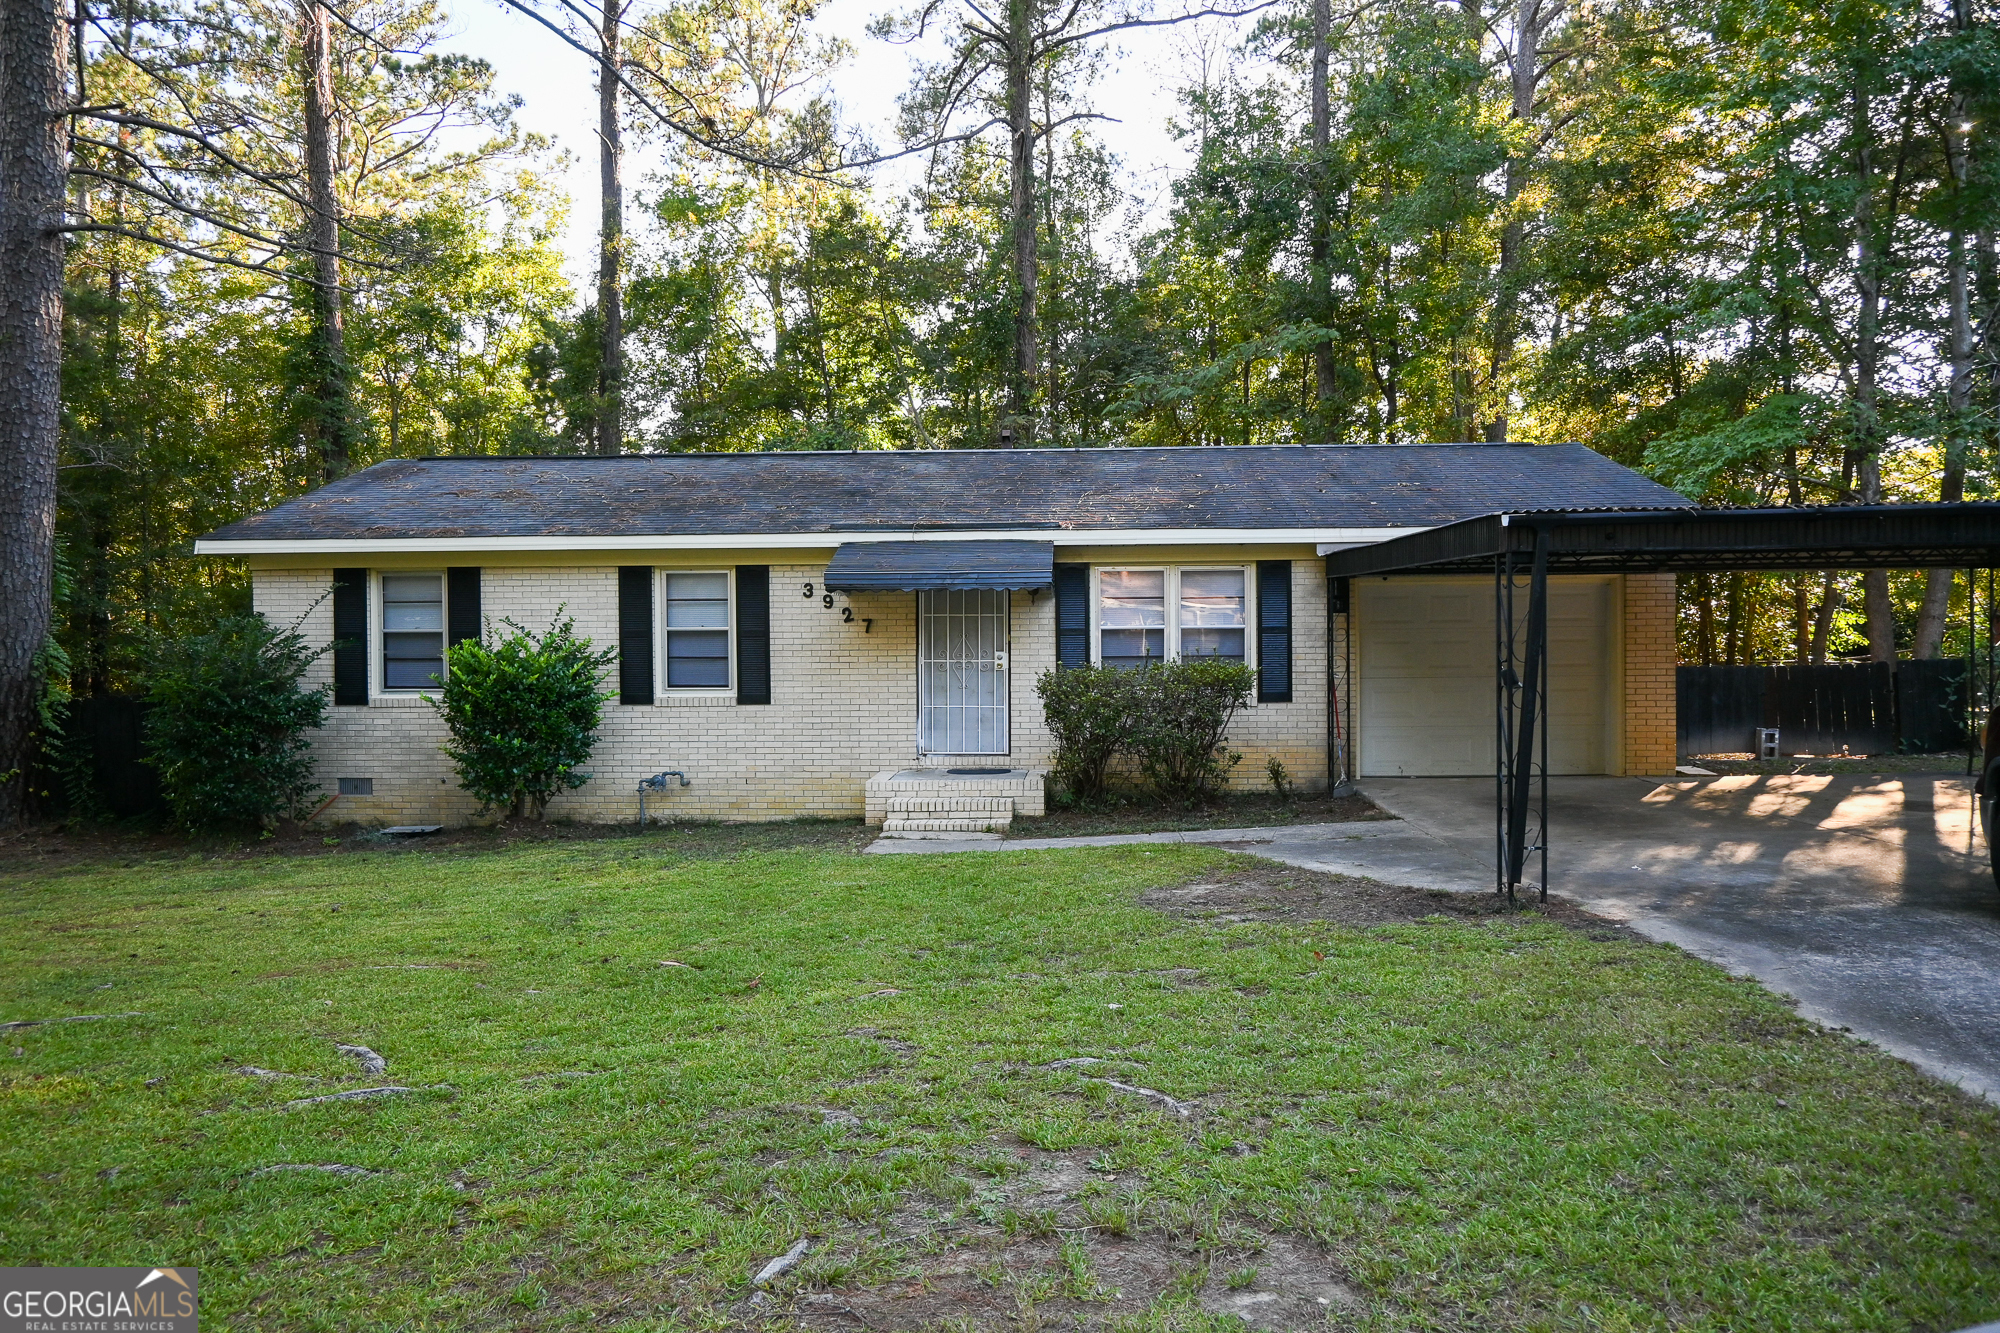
<point>1867,707</point>
<point>110,732</point>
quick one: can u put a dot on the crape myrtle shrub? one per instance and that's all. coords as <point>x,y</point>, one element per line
<point>228,723</point>
<point>1170,719</point>
<point>523,713</point>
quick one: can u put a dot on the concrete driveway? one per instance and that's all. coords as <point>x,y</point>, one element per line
<point>1869,900</point>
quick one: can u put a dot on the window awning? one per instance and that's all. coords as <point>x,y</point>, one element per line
<point>910,566</point>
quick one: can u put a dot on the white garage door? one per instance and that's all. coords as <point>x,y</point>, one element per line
<point>1426,676</point>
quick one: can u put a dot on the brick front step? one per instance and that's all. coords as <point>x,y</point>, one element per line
<point>931,793</point>
<point>957,836</point>
<point>922,806</point>
<point>895,827</point>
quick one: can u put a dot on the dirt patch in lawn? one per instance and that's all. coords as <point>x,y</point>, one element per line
<point>1051,1240</point>
<point>1259,890</point>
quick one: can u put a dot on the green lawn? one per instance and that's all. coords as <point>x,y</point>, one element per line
<point>1496,1122</point>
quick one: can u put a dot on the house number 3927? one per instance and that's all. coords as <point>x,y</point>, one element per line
<point>846,612</point>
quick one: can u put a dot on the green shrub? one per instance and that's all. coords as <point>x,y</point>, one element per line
<point>227,728</point>
<point>1280,779</point>
<point>523,714</point>
<point>1180,713</point>
<point>1087,710</point>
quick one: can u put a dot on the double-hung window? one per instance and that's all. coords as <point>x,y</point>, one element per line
<point>697,630</point>
<point>1153,615</point>
<point>412,631</point>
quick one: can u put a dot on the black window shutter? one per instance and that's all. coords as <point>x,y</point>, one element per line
<point>1274,631</point>
<point>350,636</point>
<point>461,585</point>
<point>753,634</point>
<point>635,634</point>
<point>1072,615</point>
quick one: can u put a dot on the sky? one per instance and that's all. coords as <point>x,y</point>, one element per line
<point>557,87</point>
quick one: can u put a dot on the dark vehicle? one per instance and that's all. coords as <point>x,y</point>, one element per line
<point>1987,789</point>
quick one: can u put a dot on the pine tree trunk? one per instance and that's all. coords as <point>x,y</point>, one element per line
<point>33,183</point>
<point>1732,650</point>
<point>1829,602</point>
<point>1021,220</point>
<point>1986,295</point>
<point>332,424</point>
<point>1801,622</point>
<point>610,245</point>
<point>1951,487</point>
<point>1867,372</point>
<point>33,144</point>
<point>1705,619</point>
<point>1326,384</point>
<point>1524,74</point>
<point>1936,607</point>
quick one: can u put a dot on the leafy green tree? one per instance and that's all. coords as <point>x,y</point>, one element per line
<point>523,713</point>
<point>188,378</point>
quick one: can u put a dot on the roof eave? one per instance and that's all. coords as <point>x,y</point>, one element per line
<point>1070,537</point>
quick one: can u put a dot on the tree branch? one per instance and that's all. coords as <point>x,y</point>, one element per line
<point>1124,24</point>
<point>205,256</point>
<point>796,165</point>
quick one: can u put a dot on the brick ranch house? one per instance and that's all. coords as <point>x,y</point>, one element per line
<point>795,628</point>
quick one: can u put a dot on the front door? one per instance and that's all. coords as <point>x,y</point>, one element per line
<point>961,672</point>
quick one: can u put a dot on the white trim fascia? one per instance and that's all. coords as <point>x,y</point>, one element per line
<point>802,540</point>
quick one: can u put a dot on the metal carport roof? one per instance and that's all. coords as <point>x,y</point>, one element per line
<point>1955,536</point>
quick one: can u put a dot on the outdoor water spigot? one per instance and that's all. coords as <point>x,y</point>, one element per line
<point>656,783</point>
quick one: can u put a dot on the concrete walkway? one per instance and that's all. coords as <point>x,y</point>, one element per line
<point>1868,900</point>
<point>1395,851</point>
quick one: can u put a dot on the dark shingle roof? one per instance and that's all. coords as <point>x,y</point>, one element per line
<point>779,493</point>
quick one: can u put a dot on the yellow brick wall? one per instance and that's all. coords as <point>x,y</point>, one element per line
<point>1651,655</point>
<point>843,702</point>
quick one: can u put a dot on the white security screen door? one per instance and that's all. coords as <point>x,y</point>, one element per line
<point>962,672</point>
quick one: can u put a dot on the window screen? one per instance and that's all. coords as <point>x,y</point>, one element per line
<point>1212,613</point>
<point>697,631</point>
<point>1132,616</point>
<point>412,631</point>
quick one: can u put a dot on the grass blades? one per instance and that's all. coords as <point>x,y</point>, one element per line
<point>1499,1123</point>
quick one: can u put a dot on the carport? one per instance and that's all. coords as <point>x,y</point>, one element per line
<point>1521,551</point>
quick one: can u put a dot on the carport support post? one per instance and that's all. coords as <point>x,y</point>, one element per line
<point>1524,703</point>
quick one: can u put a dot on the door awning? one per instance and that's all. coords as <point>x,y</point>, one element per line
<point>913,566</point>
